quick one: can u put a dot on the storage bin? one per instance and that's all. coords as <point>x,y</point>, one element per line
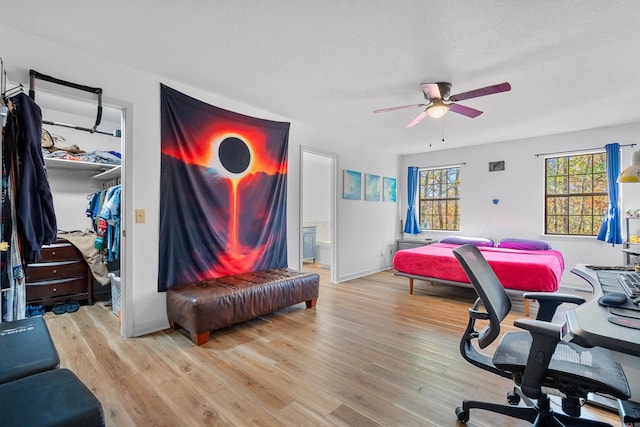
<point>115,292</point>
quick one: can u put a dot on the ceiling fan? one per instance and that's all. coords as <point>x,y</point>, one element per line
<point>439,100</point>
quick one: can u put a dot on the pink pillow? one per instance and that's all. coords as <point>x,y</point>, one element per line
<point>524,244</point>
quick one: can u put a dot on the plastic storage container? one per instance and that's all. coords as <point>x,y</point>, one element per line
<point>115,292</point>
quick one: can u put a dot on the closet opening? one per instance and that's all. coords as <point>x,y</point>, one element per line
<point>83,151</point>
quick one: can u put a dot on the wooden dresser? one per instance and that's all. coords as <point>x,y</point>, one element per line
<point>60,275</point>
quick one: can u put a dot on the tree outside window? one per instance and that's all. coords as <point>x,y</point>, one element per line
<point>576,197</point>
<point>439,198</point>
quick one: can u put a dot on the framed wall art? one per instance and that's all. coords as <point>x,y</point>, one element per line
<point>352,185</point>
<point>372,187</point>
<point>388,189</point>
<point>496,166</point>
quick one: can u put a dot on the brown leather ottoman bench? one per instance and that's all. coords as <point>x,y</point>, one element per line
<point>204,306</point>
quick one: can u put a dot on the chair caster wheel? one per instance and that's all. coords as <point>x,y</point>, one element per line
<point>463,416</point>
<point>513,398</point>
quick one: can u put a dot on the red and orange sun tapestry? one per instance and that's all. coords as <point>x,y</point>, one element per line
<point>223,191</point>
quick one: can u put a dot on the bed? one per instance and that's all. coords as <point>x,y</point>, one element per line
<point>519,270</point>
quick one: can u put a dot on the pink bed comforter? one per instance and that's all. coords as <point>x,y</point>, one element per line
<point>517,269</point>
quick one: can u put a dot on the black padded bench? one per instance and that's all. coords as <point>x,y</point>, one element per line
<point>50,398</point>
<point>33,391</point>
<point>204,306</point>
<point>27,349</point>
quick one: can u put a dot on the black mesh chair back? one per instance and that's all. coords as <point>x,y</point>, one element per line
<point>489,289</point>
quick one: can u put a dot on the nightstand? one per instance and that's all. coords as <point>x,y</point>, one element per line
<point>413,243</point>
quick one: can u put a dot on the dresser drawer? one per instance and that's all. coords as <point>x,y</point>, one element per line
<point>58,252</point>
<point>61,274</point>
<point>58,270</point>
<point>56,288</point>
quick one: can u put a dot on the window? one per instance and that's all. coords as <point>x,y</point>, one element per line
<point>439,198</point>
<point>576,198</point>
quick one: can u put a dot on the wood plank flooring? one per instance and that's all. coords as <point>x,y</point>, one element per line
<point>369,354</point>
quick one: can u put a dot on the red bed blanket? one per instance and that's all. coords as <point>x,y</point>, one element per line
<point>517,269</point>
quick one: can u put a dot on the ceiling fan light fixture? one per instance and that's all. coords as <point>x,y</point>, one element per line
<point>632,172</point>
<point>438,109</point>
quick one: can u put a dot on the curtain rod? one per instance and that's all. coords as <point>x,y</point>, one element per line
<point>442,166</point>
<point>580,151</point>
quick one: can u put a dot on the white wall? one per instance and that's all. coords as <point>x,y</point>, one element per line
<point>520,189</point>
<point>363,227</point>
<point>317,189</point>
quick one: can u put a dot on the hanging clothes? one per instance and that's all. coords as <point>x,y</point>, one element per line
<point>36,219</point>
<point>93,209</point>
<point>28,215</point>
<point>110,212</point>
<point>14,305</point>
<point>104,211</point>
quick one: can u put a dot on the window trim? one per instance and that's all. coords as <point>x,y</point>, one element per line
<point>572,153</point>
<point>459,198</point>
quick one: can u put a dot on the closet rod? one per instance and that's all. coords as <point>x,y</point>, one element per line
<point>33,75</point>
<point>117,133</point>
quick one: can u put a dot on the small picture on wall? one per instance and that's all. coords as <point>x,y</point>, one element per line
<point>496,166</point>
<point>388,189</point>
<point>352,185</point>
<point>372,187</point>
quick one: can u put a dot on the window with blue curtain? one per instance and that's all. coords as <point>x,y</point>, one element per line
<point>411,225</point>
<point>610,228</point>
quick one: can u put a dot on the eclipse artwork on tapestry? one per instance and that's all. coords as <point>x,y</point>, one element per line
<point>223,189</point>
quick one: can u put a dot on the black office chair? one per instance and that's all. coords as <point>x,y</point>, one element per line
<point>537,360</point>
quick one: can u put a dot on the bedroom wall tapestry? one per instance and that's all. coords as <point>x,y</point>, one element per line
<point>223,191</point>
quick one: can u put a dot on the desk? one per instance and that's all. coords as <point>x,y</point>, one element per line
<point>588,322</point>
<point>589,326</point>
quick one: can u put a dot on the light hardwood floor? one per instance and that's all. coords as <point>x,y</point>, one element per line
<point>369,354</point>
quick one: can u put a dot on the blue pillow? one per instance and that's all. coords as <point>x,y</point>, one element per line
<point>460,240</point>
<point>524,244</point>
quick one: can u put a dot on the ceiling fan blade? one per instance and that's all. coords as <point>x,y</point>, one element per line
<point>417,119</point>
<point>431,90</point>
<point>489,90</point>
<point>402,107</point>
<point>464,110</point>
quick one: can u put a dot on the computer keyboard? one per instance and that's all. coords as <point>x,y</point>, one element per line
<point>630,282</point>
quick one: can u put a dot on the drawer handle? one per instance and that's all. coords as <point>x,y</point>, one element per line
<point>55,271</point>
<point>55,290</point>
<point>53,253</point>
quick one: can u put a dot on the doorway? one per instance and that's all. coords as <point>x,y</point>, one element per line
<point>74,183</point>
<point>318,210</point>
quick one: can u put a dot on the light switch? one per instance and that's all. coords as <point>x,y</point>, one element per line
<point>140,215</point>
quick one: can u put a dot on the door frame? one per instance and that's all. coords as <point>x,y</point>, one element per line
<point>334,206</point>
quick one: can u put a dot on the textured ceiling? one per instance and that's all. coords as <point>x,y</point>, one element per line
<point>572,64</point>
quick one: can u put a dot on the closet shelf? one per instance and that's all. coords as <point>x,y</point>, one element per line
<point>103,171</point>
<point>112,173</point>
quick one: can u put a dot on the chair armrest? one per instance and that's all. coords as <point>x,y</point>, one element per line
<point>545,340</point>
<point>555,296</point>
<point>539,327</point>
<point>549,302</point>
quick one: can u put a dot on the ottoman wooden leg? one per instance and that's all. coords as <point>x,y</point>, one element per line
<point>199,339</point>
<point>311,303</point>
